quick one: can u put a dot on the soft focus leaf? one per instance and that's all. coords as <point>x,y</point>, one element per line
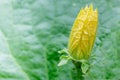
<point>33,31</point>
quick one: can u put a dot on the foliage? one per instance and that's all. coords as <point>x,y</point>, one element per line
<point>32,31</point>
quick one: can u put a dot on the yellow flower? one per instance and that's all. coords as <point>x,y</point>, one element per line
<point>83,33</point>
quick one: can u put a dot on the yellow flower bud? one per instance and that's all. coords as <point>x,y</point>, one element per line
<point>83,33</point>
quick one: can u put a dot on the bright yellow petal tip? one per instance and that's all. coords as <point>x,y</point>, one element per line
<point>83,33</point>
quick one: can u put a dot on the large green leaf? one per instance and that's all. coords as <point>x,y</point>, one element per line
<point>32,31</point>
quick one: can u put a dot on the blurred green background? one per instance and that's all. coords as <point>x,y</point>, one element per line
<point>33,31</point>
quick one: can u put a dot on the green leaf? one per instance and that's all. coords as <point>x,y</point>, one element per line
<point>21,53</point>
<point>63,60</point>
<point>63,51</point>
<point>85,67</point>
<point>32,32</point>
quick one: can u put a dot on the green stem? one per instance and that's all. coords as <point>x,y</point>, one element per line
<point>78,71</point>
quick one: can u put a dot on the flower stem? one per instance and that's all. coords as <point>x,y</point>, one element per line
<point>78,71</point>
